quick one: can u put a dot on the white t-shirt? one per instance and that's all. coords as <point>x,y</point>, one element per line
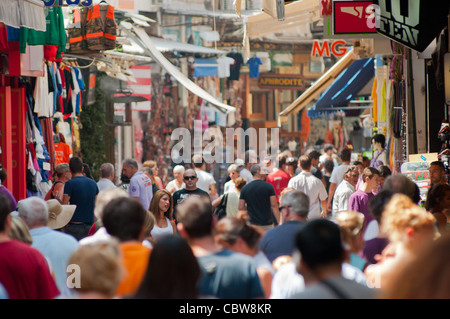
<point>341,196</point>
<point>229,187</point>
<point>173,184</point>
<point>337,176</point>
<point>105,183</point>
<point>158,232</point>
<point>313,187</point>
<point>205,179</point>
<point>245,174</point>
<point>224,63</point>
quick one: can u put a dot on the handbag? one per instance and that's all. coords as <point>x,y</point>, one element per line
<point>221,210</point>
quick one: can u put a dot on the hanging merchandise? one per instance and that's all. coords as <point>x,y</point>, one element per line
<point>101,29</point>
<point>235,69</point>
<point>54,35</point>
<point>77,30</point>
<point>254,62</point>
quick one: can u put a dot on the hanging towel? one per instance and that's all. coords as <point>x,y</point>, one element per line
<point>375,101</point>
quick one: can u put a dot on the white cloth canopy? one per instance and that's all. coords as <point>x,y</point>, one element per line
<point>23,13</point>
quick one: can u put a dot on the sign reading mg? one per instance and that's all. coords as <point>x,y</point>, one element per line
<point>60,3</point>
<point>413,23</point>
<point>324,48</point>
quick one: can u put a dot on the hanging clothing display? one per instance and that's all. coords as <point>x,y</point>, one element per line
<point>55,33</point>
<point>235,69</point>
<point>101,28</point>
<point>224,64</point>
<point>254,62</point>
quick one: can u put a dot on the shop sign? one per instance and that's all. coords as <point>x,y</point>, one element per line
<point>323,48</point>
<point>60,3</point>
<point>352,17</point>
<point>281,81</point>
<point>413,23</point>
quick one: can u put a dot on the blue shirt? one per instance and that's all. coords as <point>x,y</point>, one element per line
<point>280,240</point>
<point>57,247</point>
<point>229,275</point>
<point>82,191</point>
<point>254,63</point>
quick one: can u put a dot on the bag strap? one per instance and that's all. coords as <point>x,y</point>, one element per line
<point>226,198</point>
<point>379,153</point>
<point>338,292</point>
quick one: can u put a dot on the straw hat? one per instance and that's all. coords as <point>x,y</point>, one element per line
<point>59,215</point>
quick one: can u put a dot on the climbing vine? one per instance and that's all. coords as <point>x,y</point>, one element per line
<point>93,129</point>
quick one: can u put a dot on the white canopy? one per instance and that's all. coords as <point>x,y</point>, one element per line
<point>23,13</point>
<point>158,57</point>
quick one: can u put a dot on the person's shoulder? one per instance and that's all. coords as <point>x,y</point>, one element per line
<point>201,192</point>
<point>233,258</point>
<point>63,237</point>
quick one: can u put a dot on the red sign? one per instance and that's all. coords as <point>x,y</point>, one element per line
<point>353,17</point>
<point>326,7</point>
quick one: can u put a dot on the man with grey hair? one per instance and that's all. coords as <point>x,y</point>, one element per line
<point>344,190</point>
<point>55,246</point>
<point>259,201</point>
<point>106,177</point>
<point>140,184</point>
<point>280,241</point>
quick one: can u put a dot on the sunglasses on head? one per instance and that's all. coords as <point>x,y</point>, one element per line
<point>189,177</point>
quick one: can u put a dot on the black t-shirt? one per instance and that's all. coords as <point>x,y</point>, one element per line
<point>257,195</point>
<point>181,194</point>
<point>235,69</point>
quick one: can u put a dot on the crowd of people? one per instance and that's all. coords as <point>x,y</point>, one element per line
<point>320,226</point>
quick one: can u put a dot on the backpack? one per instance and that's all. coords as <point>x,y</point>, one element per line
<point>221,210</point>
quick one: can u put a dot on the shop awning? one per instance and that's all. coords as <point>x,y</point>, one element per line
<point>314,90</point>
<point>205,67</point>
<point>23,13</point>
<point>170,46</point>
<point>158,57</point>
<point>347,85</point>
<point>296,13</point>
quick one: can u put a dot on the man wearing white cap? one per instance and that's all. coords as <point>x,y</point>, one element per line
<point>43,218</point>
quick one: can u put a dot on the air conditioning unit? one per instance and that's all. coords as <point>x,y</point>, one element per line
<point>254,5</point>
<point>363,48</point>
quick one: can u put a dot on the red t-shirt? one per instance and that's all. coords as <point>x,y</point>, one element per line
<point>279,179</point>
<point>24,272</point>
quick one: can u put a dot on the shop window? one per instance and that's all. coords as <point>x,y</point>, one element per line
<point>316,65</point>
<point>259,104</point>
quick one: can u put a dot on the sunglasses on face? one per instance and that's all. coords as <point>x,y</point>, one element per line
<point>189,177</point>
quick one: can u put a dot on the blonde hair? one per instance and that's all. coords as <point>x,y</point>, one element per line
<point>281,261</point>
<point>149,223</point>
<point>401,213</point>
<point>20,231</point>
<point>149,164</point>
<point>100,268</point>
<point>105,196</point>
<point>351,224</point>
